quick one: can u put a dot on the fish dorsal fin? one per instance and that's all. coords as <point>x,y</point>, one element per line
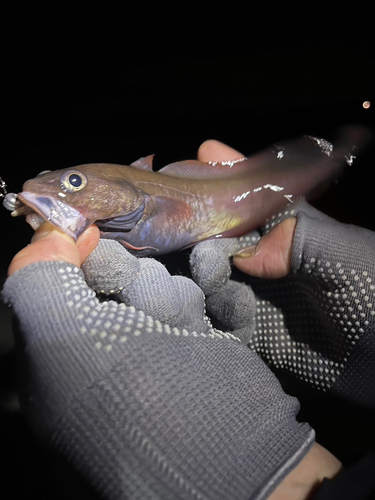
<point>144,163</point>
<point>192,169</point>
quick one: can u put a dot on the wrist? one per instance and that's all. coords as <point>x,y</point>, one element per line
<point>306,478</point>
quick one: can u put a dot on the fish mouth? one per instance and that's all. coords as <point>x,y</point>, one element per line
<point>58,213</point>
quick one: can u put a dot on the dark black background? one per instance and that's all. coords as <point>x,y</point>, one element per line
<point>112,86</point>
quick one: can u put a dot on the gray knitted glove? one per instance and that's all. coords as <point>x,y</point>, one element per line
<point>232,303</point>
<point>318,323</point>
<point>148,407</point>
<point>147,285</point>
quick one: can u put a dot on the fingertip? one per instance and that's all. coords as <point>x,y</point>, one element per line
<point>249,265</point>
<point>213,150</point>
<point>206,148</point>
<point>271,257</point>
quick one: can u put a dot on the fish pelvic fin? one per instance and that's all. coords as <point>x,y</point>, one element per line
<point>132,247</point>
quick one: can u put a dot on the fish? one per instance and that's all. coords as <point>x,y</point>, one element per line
<point>158,212</point>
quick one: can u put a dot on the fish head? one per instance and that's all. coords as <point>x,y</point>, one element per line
<point>74,198</point>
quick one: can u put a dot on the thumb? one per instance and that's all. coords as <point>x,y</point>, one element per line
<point>49,243</point>
<point>271,257</point>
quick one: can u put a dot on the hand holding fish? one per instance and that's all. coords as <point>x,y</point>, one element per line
<point>231,302</point>
<point>49,243</point>
<point>121,379</point>
<point>312,264</point>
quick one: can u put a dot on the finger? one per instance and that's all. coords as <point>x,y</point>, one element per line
<point>271,257</point>
<point>87,242</point>
<point>49,244</point>
<point>212,150</point>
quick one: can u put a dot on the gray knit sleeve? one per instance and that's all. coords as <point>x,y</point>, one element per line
<point>319,323</point>
<point>142,408</point>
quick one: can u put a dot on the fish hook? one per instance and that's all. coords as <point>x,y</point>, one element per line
<point>3,188</point>
<point>10,201</point>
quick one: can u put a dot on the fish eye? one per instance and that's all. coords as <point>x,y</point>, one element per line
<point>73,181</point>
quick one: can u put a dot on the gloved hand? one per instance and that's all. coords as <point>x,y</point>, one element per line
<point>314,314</point>
<point>230,302</point>
<point>146,407</point>
<point>146,284</point>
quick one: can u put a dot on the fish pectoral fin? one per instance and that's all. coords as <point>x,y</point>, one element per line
<point>144,163</point>
<point>171,212</point>
<point>124,222</point>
